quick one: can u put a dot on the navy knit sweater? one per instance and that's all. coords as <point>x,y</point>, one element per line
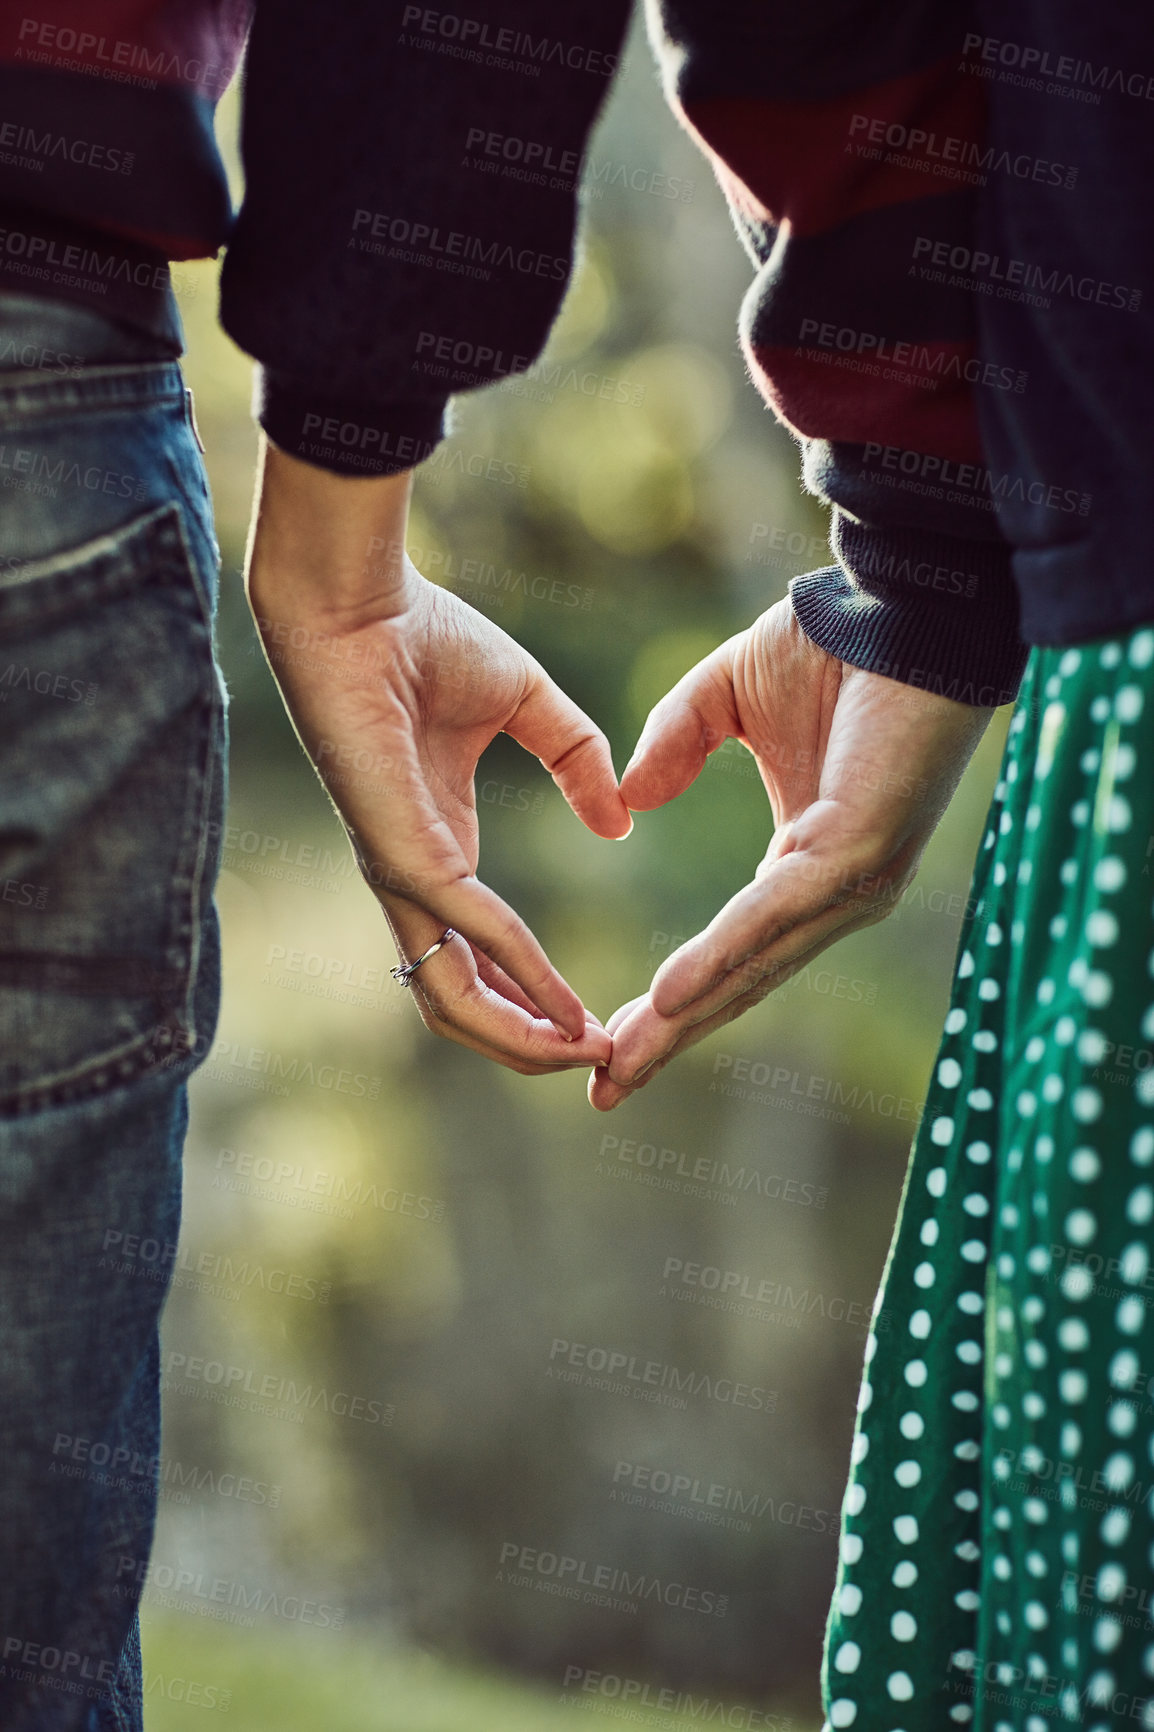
<point>943,201</point>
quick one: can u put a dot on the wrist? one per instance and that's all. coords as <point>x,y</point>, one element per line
<point>326,545</point>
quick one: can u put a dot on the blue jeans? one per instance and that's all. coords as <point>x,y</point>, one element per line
<point>112,788</point>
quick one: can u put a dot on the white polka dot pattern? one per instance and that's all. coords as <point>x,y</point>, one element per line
<point>997,1546</point>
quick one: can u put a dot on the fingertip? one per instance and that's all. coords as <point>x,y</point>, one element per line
<point>610,828</point>
<point>639,790</point>
<point>601,1094</point>
<point>570,1028</point>
<point>566,1012</point>
<point>630,787</point>
<point>607,816</point>
<point>669,999</point>
<point>675,985</point>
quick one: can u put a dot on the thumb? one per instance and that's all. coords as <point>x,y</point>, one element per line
<point>689,723</point>
<point>574,751</point>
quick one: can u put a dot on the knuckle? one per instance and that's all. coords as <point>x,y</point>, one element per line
<point>592,737</point>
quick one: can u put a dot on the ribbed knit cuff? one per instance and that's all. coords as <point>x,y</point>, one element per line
<point>345,437</point>
<point>930,610</point>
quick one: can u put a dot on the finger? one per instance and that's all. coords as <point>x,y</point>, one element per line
<point>496,977</point>
<point>480,915</point>
<point>605,1094</point>
<point>517,1055</point>
<point>479,1018</point>
<point>496,1055</point>
<point>623,1011</point>
<point>643,1040</point>
<point>598,1079</point>
<point>691,721</point>
<point>574,751</point>
<point>790,892</point>
<point>649,1037</point>
<point>464,996</point>
<point>508,1060</point>
<point>439,878</point>
<point>407,923</point>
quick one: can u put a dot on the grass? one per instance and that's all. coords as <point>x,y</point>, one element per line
<point>200,1678</point>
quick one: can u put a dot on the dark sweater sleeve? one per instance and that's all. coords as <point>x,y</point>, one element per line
<point>407,228</point>
<point>849,147</point>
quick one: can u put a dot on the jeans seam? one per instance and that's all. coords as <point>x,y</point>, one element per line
<point>101,390</point>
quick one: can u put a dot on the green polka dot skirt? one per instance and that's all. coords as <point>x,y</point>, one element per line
<point>996,1568</point>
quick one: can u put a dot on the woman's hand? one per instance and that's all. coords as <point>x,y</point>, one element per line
<point>858,768</point>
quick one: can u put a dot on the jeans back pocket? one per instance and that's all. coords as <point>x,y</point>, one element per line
<point>111,784</point>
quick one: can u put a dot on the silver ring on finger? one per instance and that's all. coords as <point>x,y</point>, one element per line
<point>405,971</point>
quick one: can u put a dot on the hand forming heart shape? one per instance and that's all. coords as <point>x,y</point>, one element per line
<point>378,666</point>
<point>858,768</point>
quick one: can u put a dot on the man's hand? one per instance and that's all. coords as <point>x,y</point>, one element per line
<point>858,768</point>
<point>395,688</point>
